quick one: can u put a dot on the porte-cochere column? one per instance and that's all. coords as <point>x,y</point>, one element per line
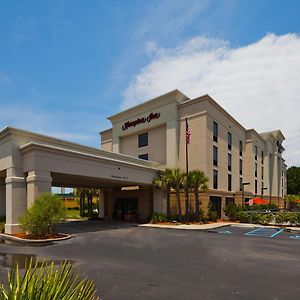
<point>38,182</point>
<point>15,199</point>
<point>2,197</point>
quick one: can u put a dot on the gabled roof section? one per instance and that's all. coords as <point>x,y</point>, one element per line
<point>172,96</point>
<point>213,102</point>
<point>276,134</point>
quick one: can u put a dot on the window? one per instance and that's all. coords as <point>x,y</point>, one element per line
<point>215,155</point>
<point>262,172</point>
<point>255,152</point>
<point>215,132</point>
<point>229,137</point>
<point>255,187</point>
<point>241,148</point>
<point>229,162</point>
<point>215,180</point>
<point>241,183</point>
<point>143,139</point>
<point>262,157</point>
<point>229,182</point>
<point>143,156</point>
<point>255,170</point>
<point>241,167</point>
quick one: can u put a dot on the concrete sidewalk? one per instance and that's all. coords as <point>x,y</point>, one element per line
<point>211,226</point>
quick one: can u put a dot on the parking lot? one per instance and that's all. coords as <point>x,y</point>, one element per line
<point>129,262</point>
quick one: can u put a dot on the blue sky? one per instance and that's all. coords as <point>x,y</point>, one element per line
<point>67,65</point>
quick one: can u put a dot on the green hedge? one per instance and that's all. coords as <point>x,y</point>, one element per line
<point>158,218</point>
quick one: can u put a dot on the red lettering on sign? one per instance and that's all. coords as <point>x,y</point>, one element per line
<point>138,121</point>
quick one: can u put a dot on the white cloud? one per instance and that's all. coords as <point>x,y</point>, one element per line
<point>258,84</point>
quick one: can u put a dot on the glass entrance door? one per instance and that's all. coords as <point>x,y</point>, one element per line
<point>215,203</point>
<point>126,209</point>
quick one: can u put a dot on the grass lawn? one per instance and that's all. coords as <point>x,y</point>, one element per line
<point>73,214</point>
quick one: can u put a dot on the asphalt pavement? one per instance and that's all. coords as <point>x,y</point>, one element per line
<point>130,262</point>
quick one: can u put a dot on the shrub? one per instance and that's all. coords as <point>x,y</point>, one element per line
<point>243,217</point>
<point>42,217</point>
<point>193,216</point>
<point>280,218</point>
<point>298,218</point>
<point>47,282</point>
<point>2,227</point>
<point>213,216</point>
<point>232,210</point>
<point>158,218</point>
<point>292,218</point>
<point>255,218</point>
<point>265,219</point>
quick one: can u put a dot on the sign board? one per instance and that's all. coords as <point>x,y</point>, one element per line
<point>251,202</point>
<point>138,121</point>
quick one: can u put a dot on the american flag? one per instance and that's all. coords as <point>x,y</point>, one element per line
<point>187,132</point>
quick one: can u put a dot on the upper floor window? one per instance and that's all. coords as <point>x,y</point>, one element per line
<point>215,179</point>
<point>262,157</point>
<point>241,148</point>
<point>255,169</point>
<point>215,155</point>
<point>262,172</point>
<point>255,152</point>
<point>241,183</point>
<point>229,162</point>
<point>241,167</point>
<point>215,131</point>
<point>229,140</point>
<point>229,182</point>
<point>255,187</point>
<point>144,156</point>
<point>143,139</point>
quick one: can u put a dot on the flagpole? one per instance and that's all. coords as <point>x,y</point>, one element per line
<point>187,137</point>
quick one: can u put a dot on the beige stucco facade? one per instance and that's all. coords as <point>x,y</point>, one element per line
<point>31,164</point>
<point>166,145</point>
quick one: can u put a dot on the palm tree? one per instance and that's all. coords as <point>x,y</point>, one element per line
<point>162,181</point>
<point>177,178</point>
<point>89,194</point>
<point>197,182</point>
<point>81,192</point>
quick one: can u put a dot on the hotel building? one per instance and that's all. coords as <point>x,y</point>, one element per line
<point>232,157</point>
<point>142,140</point>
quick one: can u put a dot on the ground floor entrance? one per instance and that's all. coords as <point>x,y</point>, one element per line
<point>126,209</point>
<point>216,204</point>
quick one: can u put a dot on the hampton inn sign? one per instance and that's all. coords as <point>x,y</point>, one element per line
<point>138,121</point>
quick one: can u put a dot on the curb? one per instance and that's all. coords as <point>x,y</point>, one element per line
<point>28,241</point>
<point>179,227</point>
<point>213,226</point>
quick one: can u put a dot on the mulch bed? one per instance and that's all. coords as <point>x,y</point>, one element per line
<point>47,237</point>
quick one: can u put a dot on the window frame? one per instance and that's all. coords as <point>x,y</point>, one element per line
<point>229,162</point>
<point>140,137</point>
<point>229,140</point>
<point>215,179</point>
<point>215,131</point>
<point>229,182</point>
<point>215,159</point>
<point>146,155</point>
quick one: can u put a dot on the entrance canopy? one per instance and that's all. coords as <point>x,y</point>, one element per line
<point>31,164</point>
